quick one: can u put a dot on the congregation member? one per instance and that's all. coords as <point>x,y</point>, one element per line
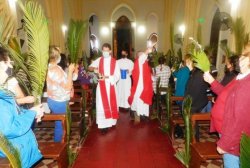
<point>196,88</point>
<point>59,85</point>
<point>16,122</point>
<point>108,71</point>
<point>142,89</point>
<point>230,69</point>
<point>229,116</point>
<point>181,77</point>
<point>162,75</point>
<point>124,84</point>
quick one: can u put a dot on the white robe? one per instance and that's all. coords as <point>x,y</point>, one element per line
<point>138,105</point>
<point>124,85</point>
<point>101,121</point>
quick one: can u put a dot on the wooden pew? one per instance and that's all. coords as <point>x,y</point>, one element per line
<point>202,151</point>
<point>175,115</point>
<point>56,150</point>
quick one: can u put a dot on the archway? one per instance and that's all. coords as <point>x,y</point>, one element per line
<point>122,36</point>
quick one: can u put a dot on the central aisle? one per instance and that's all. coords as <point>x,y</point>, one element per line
<point>128,146</point>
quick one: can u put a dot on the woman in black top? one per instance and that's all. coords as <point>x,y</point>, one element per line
<point>230,72</point>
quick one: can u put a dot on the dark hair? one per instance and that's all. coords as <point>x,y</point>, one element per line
<point>161,60</point>
<point>234,60</point>
<point>63,63</point>
<point>106,45</point>
<point>3,54</point>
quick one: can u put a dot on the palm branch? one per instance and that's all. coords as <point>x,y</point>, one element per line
<point>185,156</point>
<point>245,151</point>
<point>38,43</point>
<point>172,38</point>
<point>199,33</point>
<point>10,152</point>
<point>226,50</point>
<point>85,60</point>
<point>6,23</point>
<point>239,32</point>
<point>20,66</point>
<point>199,56</point>
<point>77,30</point>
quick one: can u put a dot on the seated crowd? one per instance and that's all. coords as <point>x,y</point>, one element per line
<point>136,83</point>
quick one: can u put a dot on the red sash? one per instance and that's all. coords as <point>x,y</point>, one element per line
<point>110,110</point>
<point>147,92</point>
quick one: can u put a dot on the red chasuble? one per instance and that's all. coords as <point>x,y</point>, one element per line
<point>147,92</point>
<point>110,110</point>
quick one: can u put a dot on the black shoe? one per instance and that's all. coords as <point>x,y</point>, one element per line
<point>132,114</point>
<point>104,131</point>
<point>178,132</point>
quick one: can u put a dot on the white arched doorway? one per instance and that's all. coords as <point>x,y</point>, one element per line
<point>123,23</point>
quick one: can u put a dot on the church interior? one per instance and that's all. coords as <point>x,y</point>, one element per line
<point>168,33</point>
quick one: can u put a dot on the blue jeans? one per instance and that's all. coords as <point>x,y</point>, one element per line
<point>57,108</point>
<point>207,108</point>
<point>231,161</point>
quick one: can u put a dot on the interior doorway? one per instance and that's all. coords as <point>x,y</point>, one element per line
<point>122,36</point>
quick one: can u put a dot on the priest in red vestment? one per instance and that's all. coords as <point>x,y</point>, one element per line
<point>106,95</point>
<point>142,89</point>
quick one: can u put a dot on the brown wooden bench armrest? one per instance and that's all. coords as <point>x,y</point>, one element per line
<point>201,117</point>
<point>57,117</point>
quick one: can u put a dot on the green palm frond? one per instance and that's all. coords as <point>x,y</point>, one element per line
<point>239,32</point>
<point>199,34</point>
<point>199,56</point>
<point>245,151</point>
<point>172,38</point>
<point>226,50</point>
<point>20,66</point>
<point>77,30</point>
<point>10,152</point>
<point>38,43</point>
<point>85,60</point>
<point>6,23</point>
<point>185,156</point>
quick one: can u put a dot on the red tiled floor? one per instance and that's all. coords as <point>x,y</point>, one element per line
<point>127,146</point>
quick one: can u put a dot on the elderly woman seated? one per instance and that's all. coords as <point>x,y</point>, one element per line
<point>15,123</point>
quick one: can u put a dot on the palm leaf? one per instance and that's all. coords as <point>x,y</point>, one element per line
<point>239,32</point>
<point>226,50</point>
<point>10,152</point>
<point>38,43</point>
<point>199,56</point>
<point>199,34</point>
<point>245,151</point>
<point>77,30</point>
<point>6,22</point>
<point>172,38</point>
<point>185,156</point>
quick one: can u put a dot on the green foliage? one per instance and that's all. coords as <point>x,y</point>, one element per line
<point>199,56</point>
<point>199,34</point>
<point>36,26</point>
<point>185,156</point>
<point>245,151</point>
<point>10,152</point>
<point>226,50</point>
<point>85,60</point>
<point>77,30</point>
<point>6,23</point>
<point>155,56</point>
<point>20,67</point>
<point>240,34</point>
<point>172,38</point>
